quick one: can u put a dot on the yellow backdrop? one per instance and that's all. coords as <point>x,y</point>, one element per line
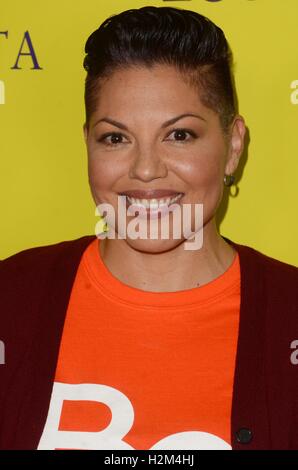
<point>45,196</point>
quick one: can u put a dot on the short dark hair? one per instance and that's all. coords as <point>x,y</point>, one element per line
<point>164,35</point>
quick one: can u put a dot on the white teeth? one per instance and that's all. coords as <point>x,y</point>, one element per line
<point>153,204</point>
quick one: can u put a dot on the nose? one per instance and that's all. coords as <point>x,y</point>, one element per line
<point>147,165</point>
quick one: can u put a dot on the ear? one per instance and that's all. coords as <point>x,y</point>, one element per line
<point>236,145</point>
<point>85,131</point>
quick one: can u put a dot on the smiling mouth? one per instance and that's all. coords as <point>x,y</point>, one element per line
<point>151,208</point>
<point>154,203</point>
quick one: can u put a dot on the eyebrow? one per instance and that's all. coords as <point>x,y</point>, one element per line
<point>165,124</point>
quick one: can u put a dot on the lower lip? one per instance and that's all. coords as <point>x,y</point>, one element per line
<point>144,213</point>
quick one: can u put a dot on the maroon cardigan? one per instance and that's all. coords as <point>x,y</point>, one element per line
<point>34,293</point>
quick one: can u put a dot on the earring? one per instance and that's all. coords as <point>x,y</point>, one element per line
<point>229,180</point>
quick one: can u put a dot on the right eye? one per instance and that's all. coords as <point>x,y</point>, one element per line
<point>114,139</point>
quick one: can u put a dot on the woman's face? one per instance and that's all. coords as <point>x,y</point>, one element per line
<point>141,150</point>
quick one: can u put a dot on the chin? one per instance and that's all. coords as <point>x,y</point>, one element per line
<point>153,246</point>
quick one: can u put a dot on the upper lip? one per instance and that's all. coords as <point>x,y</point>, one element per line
<point>150,193</point>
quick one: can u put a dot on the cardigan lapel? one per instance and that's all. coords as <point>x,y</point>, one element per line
<point>249,420</point>
<point>38,376</point>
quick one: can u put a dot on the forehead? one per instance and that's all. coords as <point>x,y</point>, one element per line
<point>140,88</point>
<point>157,75</point>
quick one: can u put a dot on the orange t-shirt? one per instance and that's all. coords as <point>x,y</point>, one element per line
<point>144,370</point>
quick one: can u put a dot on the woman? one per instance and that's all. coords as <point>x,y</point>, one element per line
<point>126,342</point>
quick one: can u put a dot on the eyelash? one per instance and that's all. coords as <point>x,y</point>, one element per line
<point>108,134</point>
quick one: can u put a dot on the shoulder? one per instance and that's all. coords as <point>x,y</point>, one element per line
<point>271,267</point>
<point>34,263</point>
<point>32,279</point>
<point>279,280</point>
<point>276,285</point>
<point>270,303</point>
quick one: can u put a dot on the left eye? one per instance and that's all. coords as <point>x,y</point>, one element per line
<point>181,133</point>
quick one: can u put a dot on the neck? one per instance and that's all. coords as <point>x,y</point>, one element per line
<point>169,271</point>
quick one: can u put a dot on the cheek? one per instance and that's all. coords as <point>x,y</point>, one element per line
<point>102,174</point>
<point>203,170</point>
